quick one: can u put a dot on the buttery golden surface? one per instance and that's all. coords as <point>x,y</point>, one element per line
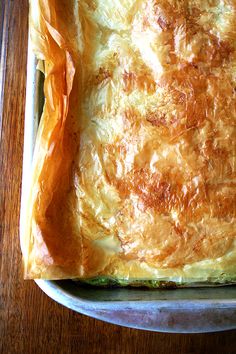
<point>135,170</point>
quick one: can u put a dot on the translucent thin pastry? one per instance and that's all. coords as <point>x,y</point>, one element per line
<point>134,166</point>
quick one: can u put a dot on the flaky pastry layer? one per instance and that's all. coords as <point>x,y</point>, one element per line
<point>134,168</point>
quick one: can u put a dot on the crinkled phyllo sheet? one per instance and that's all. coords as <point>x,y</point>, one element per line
<point>134,169</point>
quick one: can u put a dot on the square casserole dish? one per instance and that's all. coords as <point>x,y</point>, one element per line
<point>191,310</point>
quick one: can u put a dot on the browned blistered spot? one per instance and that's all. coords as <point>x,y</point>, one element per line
<point>213,51</point>
<point>179,231</point>
<point>216,160</point>
<point>195,12</point>
<point>102,76</point>
<point>208,150</point>
<point>160,192</point>
<point>222,204</point>
<point>187,91</point>
<point>156,119</point>
<point>188,104</point>
<point>164,14</point>
<point>142,82</point>
<point>131,117</point>
<point>128,80</point>
<point>164,193</point>
<point>162,23</point>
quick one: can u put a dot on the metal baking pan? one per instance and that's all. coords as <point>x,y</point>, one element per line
<point>192,310</point>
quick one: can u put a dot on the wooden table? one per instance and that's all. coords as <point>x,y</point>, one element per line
<point>30,322</point>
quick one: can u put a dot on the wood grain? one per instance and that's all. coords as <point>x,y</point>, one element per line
<point>30,322</point>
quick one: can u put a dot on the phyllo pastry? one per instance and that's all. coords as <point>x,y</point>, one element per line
<point>134,170</point>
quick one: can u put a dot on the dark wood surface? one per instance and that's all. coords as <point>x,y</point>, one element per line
<point>30,322</point>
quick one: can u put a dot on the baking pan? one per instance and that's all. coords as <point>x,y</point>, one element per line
<point>192,310</point>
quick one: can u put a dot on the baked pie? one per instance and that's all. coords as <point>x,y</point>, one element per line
<point>134,172</point>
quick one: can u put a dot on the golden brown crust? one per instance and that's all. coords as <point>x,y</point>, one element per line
<point>135,166</point>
